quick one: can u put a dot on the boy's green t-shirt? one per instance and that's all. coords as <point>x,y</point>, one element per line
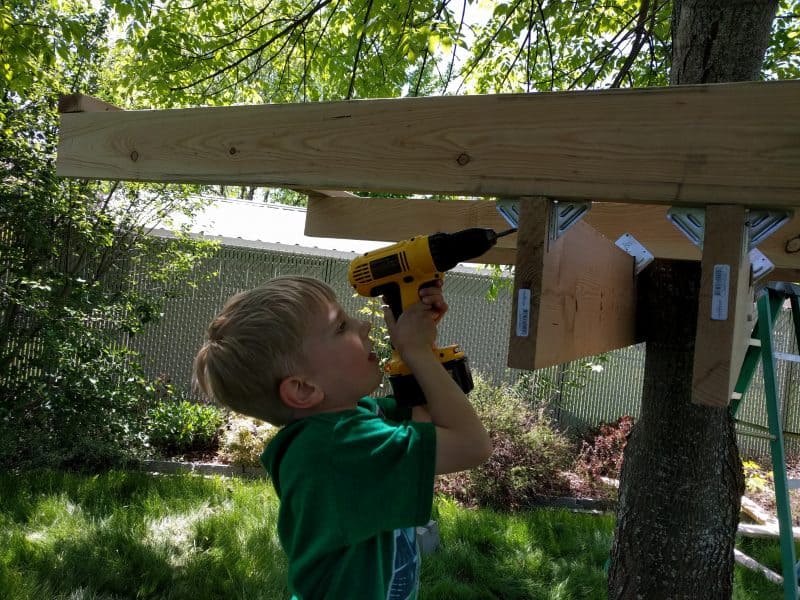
<point>352,487</point>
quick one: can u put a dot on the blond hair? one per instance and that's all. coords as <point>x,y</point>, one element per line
<point>255,342</point>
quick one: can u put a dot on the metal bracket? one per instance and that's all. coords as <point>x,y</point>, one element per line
<point>761,223</point>
<point>563,215</point>
<point>509,210</point>
<point>760,263</point>
<point>691,222</point>
<point>641,255</point>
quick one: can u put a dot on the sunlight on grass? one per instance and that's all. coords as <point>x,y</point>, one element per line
<point>181,537</point>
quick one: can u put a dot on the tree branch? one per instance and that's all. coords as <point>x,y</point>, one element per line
<point>260,48</point>
<point>351,87</point>
<point>636,47</point>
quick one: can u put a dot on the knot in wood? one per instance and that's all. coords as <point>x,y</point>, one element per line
<point>134,156</point>
<point>463,158</point>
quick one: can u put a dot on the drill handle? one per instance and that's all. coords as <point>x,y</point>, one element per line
<point>392,297</point>
<point>399,297</point>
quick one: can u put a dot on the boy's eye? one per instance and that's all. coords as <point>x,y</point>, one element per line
<point>342,326</point>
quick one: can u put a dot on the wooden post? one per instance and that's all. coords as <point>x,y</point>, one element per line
<point>724,318</point>
<point>573,297</point>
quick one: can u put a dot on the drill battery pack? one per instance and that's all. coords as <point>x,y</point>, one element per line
<point>407,391</point>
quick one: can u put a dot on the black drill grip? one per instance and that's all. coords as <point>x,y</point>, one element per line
<point>407,392</point>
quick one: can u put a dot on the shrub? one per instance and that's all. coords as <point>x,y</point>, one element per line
<point>601,453</point>
<point>528,458</point>
<point>88,414</point>
<point>244,440</point>
<point>179,427</point>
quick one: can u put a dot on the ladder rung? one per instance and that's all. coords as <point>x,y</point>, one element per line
<point>787,356</point>
<point>794,484</point>
<point>755,342</point>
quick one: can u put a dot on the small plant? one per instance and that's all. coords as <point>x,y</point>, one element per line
<point>244,440</point>
<point>756,479</point>
<point>179,427</point>
<point>601,453</point>
<point>528,459</point>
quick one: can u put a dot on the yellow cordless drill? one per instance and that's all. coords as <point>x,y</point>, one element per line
<point>398,272</point>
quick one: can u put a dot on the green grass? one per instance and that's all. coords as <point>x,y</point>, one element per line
<point>133,535</point>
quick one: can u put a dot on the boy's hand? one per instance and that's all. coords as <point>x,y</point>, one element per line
<point>415,330</point>
<point>433,297</point>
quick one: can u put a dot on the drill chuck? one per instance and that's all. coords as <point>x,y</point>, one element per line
<point>449,249</point>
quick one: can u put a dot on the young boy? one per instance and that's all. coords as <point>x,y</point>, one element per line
<point>354,474</point>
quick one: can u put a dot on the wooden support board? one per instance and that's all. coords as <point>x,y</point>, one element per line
<point>394,219</point>
<point>672,145</point>
<point>342,215</point>
<point>724,318</point>
<point>573,297</point>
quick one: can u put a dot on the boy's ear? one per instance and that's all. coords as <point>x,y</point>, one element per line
<point>297,393</point>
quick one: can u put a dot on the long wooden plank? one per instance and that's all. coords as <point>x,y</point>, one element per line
<point>75,103</point>
<point>726,299</point>
<point>675,145</point>
<point>573,297</point>
<point>394,219</point>
<point>764,531</point>
<point>746,561</point>
<point>341,215</point>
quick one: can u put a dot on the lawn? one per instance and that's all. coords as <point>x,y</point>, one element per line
<point>134,535</point>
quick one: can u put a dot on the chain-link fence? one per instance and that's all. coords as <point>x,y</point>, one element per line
<point>584,392</point>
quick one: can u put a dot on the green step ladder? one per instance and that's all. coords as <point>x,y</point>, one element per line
<point>762,347</point>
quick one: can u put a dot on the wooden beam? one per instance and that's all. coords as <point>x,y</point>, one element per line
<point>76,103</point>
<point>672,145</point>
<point>394,219</point>
<point>573,297</point>
<point>724,318</point>
<point>342,215</point>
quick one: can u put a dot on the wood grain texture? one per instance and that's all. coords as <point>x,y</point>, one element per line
<point>582,293</point>
<point>720,345</point>
<point>342,215</point>
<point>75,103</point>
<point>736,143</point>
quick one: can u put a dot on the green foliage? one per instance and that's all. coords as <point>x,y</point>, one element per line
<point>783,54</point>
<point>756,479</point>
<point>72,395</point>
<point>528,459</point>
<point>502,280</point>
<point>379,335</point>
<point>244,439</point>
<point>183,426</point>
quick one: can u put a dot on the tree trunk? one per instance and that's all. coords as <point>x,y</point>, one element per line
<point>682,479</point>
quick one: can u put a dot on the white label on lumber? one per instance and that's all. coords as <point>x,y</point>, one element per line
<point>719,293</point>
<point>523,312</point>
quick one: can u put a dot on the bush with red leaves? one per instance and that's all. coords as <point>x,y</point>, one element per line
<point>601,452</point>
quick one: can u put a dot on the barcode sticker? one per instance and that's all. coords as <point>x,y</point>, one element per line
<point>719,293</point>
<point>523,313</point>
